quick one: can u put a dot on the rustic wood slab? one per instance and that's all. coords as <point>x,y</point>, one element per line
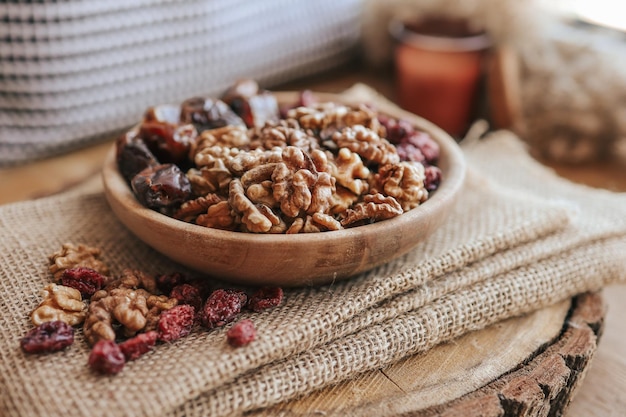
<point>526,366</point>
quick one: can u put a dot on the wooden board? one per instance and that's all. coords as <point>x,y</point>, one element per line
<point>527,366</point>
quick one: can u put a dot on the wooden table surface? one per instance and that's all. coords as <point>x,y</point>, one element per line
<point>603,391</point>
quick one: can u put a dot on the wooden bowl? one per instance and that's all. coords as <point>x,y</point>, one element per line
<point>292,260</point>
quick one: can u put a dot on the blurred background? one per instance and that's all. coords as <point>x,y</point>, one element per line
<point>75,73</point>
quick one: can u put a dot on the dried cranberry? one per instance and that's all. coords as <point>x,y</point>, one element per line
<point>206,113</point>
<point>48,337</point>
<point>161,186</point>
<point>136,346</point>
<point>398,130</point>
<point>222,307</point>
<point>106,357</point>
<point>204,286</point>
<point>85,280</point>
<point>432,178</point>
<point>412,144</point>
<point>175,323</point>
<point>187,294</point>
<point>167,282</point>
<point>426,144</point>
<point>408,152</point>
<point>241,333</point>
<point>306,99</point>
<point>266,297</point>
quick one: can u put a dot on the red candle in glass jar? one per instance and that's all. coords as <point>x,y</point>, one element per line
<point>438,71</point>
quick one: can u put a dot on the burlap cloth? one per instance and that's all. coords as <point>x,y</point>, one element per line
<point>519,239</point>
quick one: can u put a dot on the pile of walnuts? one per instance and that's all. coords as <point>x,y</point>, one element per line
<point>242,163</point>
<point>124,317</point>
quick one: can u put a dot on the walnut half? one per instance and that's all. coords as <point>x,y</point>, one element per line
<point>60,303</point>
<point>71,256</point>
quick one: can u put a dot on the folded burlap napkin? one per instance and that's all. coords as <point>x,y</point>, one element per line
<point>519,239</point>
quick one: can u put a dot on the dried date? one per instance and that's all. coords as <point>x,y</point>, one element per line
<point>169,142</point>
<point>161,186</point>
<point>254,106</point>
<point>133,155</point>
<point>206,114</point>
